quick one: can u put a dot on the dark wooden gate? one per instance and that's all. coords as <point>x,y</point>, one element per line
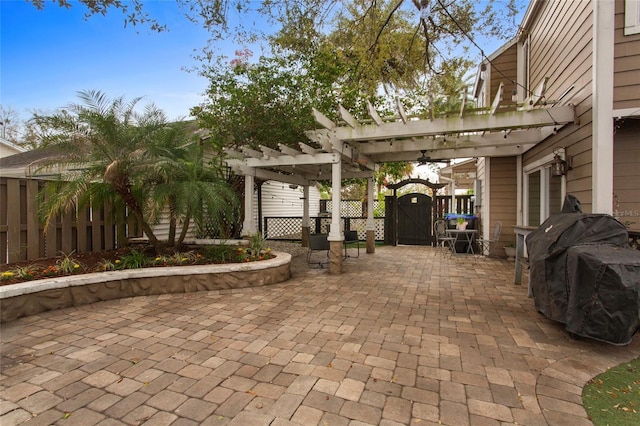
<point>414,219</point>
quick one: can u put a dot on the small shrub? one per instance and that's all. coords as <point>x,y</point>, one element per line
<point>68,265</point>
<point>256,244</point>
<point>106,265</point>
<point>27,272</point>
<point>133,260</point>
<point>220,253</point>
<point>182,258</point>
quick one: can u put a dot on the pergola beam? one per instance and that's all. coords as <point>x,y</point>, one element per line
<point>347,117</point>
<point>501,121</point>
<point>517,137</point>
<point>288,160</point>
<point>495,151</point>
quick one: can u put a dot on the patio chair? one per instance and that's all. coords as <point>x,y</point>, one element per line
<point>318,242</point>
<point>351,237</point>
<point>485,243</point>
<point>442,239</point>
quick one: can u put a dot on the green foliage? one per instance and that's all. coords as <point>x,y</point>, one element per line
<point>106,265</point>
<point>133,260</point>
<point>135,159</point>
<point>613,397</point>
<point>67,264</point>
<point>220,253</point>
<point>256,244</point>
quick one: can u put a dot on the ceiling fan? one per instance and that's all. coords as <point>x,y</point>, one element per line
<point>424,159</point>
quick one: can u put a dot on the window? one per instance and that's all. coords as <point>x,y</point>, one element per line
<point>631,17</point>
<point>543,193</point>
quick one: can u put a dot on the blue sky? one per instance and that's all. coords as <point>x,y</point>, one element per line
<point>47,56</point>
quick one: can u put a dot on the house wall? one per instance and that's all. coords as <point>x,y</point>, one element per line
<point>503,172</point>
<point>626,85</point>
<point>626,173</point>
<point>278,200</point>
<point>560,48</point>
<point>504,70</point>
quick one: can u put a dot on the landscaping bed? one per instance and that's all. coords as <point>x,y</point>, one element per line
<point>182,272</point>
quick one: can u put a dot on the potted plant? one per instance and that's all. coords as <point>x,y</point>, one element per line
<point>510,250</point>
<point>461,223</point>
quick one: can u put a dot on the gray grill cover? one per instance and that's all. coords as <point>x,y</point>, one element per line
<point>604,292</point>
<point>548,248</point>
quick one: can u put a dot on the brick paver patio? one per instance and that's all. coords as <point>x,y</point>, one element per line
<point>403,336</point>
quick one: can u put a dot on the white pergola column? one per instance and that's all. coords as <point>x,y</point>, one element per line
<point>602,95</point>
<point>336,236</point>
<point>305,216</point>
<point>248,226</point>
<point>371,224</point>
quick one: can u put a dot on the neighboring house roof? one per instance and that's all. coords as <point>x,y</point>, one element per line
<point>26,163</point>
<point>8,148</point>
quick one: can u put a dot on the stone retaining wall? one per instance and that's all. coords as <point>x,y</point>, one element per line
<point>18,300</point>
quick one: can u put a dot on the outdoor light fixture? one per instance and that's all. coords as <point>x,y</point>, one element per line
<point>559,167</point>
<point>514,96</point>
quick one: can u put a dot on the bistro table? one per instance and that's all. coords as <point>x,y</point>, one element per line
<point>463,235</point>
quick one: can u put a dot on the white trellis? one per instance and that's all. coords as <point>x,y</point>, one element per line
<point>351,149</point>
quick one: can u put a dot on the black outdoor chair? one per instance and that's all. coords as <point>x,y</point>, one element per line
<point>351,237</point>
<point>318,242</point>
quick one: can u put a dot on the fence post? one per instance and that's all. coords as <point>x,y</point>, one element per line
<point>33,224</point>
<point>13,220</point>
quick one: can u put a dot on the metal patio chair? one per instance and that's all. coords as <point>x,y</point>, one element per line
<point>442,239</point>
<point>318,242</point>
<point>485,243</point>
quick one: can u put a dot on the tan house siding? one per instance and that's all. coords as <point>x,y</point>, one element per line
<point>626,174</point>
<point>503,197</point>
<point>626,87</point>
<point>504,70</point>
<point>561,49</point>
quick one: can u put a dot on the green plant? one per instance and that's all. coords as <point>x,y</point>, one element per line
<point>6,275</point>
<point>180,258</point>
<point>461,220</point>
<point>256,244</point>
<point>27,272</point>
<point>220,253</point>
<point>133,260</point>
<point>106,265</point>
<point>68,265</point>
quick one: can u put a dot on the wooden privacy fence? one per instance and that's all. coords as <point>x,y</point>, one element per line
<point>22,236</point>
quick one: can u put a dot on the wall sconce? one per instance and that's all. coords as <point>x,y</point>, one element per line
<point>560,167</point>
<point>514,96</point>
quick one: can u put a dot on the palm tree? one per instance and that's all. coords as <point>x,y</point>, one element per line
<point>112,151</point>
<point>188,188</point>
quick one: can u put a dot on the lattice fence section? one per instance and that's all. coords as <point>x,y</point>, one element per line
<point>352,208</point>
<point>290,228</point>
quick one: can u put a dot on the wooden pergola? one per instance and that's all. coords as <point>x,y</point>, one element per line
<point>352,148</point>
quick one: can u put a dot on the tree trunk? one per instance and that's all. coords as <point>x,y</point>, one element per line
<point>185,228</point>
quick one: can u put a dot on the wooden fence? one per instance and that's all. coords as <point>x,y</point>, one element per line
<point>22,236</point>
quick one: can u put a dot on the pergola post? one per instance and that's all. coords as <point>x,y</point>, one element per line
<point>248,226</point>
<point>336,236</point>
<point>371,225</point>
<point>305,216</point>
